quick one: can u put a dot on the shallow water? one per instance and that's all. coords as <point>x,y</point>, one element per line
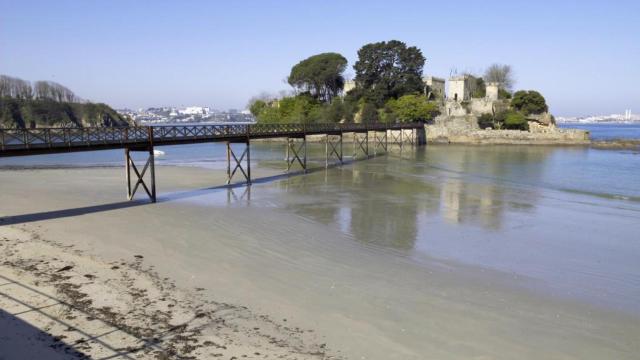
<point>566,217</point>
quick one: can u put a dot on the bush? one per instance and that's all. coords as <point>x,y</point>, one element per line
<point>529,102</point>
<point>503,94</point>
<point>486,121</point>
<point>412,108</point>
<point>516,121</point>
<point>298,109</point>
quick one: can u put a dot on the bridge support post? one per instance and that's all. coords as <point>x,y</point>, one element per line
<point>294,152</point>
<point>246,156</point>
<point>395,138</point>
<point>379,142</point>
<point>421,136</point>
<point>333,148</point>
<point>360,143</point>
<point>149,165</point>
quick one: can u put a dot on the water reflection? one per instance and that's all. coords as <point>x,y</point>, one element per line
<point>389,200</point>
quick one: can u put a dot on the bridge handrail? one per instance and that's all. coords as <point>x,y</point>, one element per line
<point>88,136</point>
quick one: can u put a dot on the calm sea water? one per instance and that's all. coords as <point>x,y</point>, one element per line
<point>608,131</point>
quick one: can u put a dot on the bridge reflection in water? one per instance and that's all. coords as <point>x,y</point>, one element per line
<point>22,142</point>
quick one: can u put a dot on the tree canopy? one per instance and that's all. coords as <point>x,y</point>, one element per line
<point>387,70</point>
<point>320,75</point>
<point>501,74</point>
<point>413,108</point>
<point>529,102</point>
<point>41,90</point>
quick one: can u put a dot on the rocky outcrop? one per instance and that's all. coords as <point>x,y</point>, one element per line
<point>465,130</point>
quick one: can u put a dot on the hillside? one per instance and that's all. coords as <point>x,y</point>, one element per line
<point>48,104</point>
<point>29,113</point>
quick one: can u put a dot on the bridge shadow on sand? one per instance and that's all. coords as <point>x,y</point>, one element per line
<point>162,198</point>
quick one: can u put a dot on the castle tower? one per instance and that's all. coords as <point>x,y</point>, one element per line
<point>461,87</point>
<point>433,87</point>
<point>492,91</point>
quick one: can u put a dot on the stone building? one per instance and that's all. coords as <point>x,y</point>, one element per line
<point>492,90</point>
<point>433,87</point>
<point>461,87</point>
<point>348,86</point>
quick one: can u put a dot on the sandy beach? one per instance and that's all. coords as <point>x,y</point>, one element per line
<point>215,272</point>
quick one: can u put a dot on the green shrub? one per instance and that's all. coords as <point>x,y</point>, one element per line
<point>529,102</point>
<point>412,108</point>
<point>486,121</point>
<point>503,94</point>
<point>516,121</point>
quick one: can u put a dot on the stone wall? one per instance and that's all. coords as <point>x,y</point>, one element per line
<point>459,130</point>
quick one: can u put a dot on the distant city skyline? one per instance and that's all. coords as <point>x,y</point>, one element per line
<point>582,56</point>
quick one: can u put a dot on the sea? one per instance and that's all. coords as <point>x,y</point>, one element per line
<point>608,131</point>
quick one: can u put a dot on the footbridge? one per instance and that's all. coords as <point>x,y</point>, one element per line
<point>24,142</point>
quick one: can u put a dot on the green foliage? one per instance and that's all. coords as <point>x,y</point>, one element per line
<point>21,113</point>
<point>257,106</point>
<point>369,113</point>
<point>412,108</point>
<point>529,102</point>
<point>503,94</point>
<point>386,70</point>
<point>515,120</point>
<point>510,119</point>
<point>320,75</point>
<point>300,109</point>
<point>486,121</point>
<point>480,89</point>
<point>333,112</point>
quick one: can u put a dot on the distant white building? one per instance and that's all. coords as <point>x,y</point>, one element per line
<point>194,110</point>
<point>348,86</point>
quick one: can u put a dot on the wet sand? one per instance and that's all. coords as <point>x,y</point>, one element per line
<point>340,297</point>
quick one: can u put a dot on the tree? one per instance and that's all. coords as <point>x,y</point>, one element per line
<point>15,88</point>
<point>413,108</point>
<point>320,75</point>
<point>529,102</point>
<point>256,107</point>
<point>49,90</point>
<point>369,113</point>
<point>501,74</point>
<point>386,70</point>
<point>480,90</point>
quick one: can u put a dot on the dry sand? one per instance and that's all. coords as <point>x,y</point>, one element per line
<point>57,302</point>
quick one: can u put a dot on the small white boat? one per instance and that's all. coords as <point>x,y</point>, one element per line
<point>158,152</point>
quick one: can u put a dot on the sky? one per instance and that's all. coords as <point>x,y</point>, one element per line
<point>583,56</point>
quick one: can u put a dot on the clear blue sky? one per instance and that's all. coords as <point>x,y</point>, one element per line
<point>584,56</point>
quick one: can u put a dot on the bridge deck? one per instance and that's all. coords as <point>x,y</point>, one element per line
<point>21,142</point>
